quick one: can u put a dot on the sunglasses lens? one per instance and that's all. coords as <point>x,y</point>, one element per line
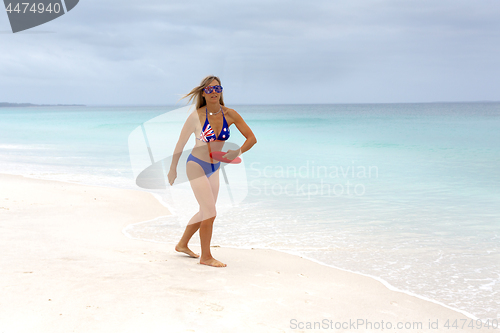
<point>209,89</point>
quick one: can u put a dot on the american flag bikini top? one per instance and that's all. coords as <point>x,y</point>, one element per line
<point>207,133</point>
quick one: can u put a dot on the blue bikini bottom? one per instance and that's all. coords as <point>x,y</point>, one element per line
<point>209,168</point>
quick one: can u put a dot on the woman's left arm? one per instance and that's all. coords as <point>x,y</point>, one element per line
<point>247,133</point>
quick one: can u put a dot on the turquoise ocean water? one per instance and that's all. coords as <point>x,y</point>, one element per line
<point>406,193</point>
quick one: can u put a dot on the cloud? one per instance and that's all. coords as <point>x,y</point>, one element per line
<point>119,52</point>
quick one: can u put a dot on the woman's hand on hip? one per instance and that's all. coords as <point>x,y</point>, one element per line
<point>232,154</point>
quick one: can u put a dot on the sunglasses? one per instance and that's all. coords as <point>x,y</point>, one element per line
<point>210,89</point>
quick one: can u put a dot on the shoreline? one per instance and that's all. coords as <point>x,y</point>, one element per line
<point>300,255</point>
<point>273,282</point>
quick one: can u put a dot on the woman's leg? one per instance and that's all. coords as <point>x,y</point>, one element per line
<point>195,222</point>
<point>204,193</point>
<point>191,228</point>
<point>214,183</point>
<point>206,227</point>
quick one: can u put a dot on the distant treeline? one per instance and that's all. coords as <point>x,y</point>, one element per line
<point>5,105</point>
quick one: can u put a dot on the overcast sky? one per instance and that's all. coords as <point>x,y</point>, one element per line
<point>265,51</point>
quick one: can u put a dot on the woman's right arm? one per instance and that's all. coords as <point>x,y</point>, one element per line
<point>187,130</point>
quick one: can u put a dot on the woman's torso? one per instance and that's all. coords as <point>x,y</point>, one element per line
<point>201,148</point>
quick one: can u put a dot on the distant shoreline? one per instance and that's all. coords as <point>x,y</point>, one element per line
<point>7,105</point>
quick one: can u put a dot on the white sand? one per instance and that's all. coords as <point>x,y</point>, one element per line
<point>67,267</point>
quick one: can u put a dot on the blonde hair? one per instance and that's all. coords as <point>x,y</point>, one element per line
<point>195,94</point>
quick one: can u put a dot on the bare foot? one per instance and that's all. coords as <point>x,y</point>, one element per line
<point>212,262</point>
<point>186,250</point>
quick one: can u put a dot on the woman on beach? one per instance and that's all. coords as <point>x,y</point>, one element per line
<point>210,124</point>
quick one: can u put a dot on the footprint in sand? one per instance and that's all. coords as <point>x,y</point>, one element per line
<point>214,307</point>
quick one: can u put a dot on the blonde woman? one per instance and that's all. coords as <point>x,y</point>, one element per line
<point>210,124</point>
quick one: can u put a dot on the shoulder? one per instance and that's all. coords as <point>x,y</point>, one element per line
<point>195,115</point>
<point>192,115</point>
<point>194,118</point>
<point>199,111</point>
<point>231,113</point>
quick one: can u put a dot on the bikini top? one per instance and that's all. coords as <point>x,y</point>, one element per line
<point>207,133</point>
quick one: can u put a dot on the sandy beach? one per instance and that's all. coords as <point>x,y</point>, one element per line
<point>67,267</point>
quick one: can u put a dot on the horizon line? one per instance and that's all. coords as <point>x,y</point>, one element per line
<point>243,104</point>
